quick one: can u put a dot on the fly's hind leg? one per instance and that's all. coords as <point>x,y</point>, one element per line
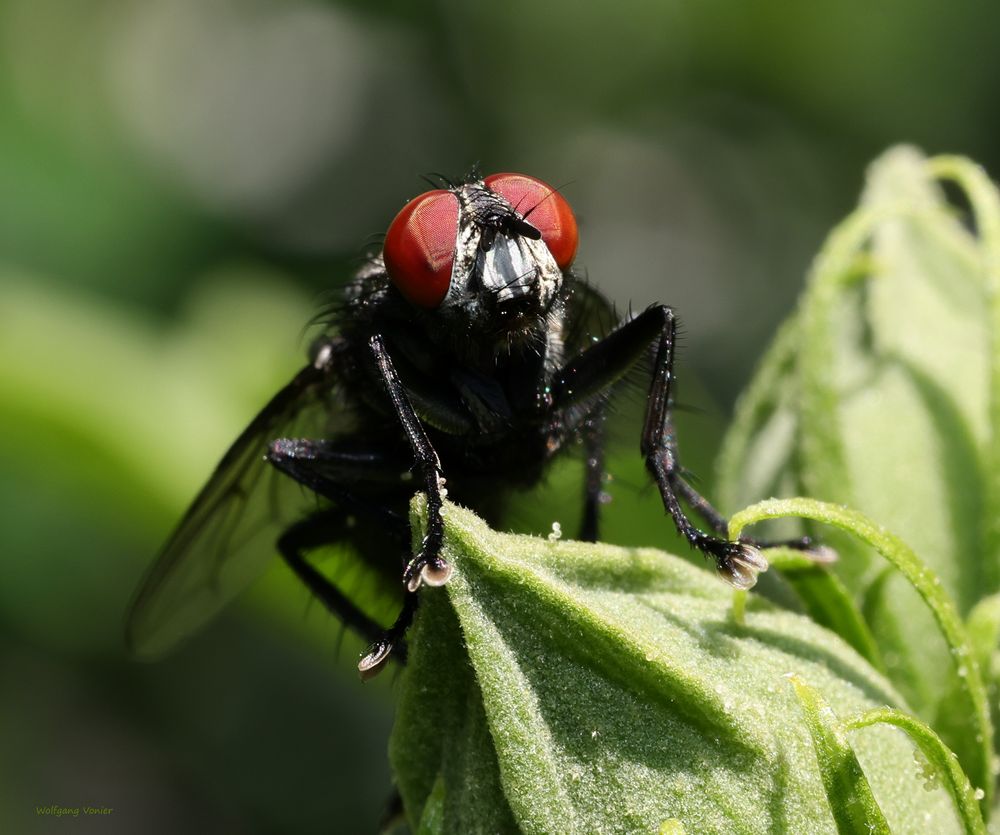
<point>593,479</point>
<point>324,528</point>
<point>363,484</point>
<point>321,529</point>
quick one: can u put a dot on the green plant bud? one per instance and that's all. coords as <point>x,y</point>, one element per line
<point>882,393</point>
<point>565,687</point>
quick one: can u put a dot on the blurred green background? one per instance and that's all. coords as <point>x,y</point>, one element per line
<point>180,183</point>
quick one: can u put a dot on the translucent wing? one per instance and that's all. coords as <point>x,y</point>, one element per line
<point>227,537</point>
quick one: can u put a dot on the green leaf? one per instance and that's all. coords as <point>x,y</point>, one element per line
<point>826,600</point>
<point>970,733</point>
<point>851,799</point>
<point>941,761</point>
<point>882,392</point>
<point>432,819</point>
<point>572,687</point>
<point>985,200</point>
<point>761,439</point>
<point>984,636</point>
<point>984,633</point>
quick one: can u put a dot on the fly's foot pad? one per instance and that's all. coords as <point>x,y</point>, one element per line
<point>435,571</point>
<point>738,563</point>
<point>375,659</point>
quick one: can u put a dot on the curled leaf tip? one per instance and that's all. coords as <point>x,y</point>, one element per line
<point>740,564</point>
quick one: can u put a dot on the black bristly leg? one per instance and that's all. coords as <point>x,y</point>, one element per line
<point>600,366</point>
<point>717,522</point>
<point>330,471</point>
<point>384,643</point>
<point>427,566</point>
<point>697,502</point>
<point>387,643</point>
<point>321,529</point>
<point>593,483</point>
<point>327,469</point>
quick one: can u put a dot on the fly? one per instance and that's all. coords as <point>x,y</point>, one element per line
<point>463,353</point>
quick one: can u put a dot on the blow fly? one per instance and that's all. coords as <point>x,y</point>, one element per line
<point>465,353</point>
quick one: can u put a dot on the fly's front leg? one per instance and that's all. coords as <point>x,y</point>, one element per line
<point>427,565</point>
<point>717,522</point>
<point>603,364</point>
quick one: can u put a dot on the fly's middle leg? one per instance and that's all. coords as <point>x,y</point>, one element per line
<point>593,479</point>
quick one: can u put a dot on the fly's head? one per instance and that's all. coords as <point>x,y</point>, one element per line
<point>489,255</point>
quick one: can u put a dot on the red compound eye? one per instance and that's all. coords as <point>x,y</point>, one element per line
<point>544,208</point>
<point>420,247</point>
